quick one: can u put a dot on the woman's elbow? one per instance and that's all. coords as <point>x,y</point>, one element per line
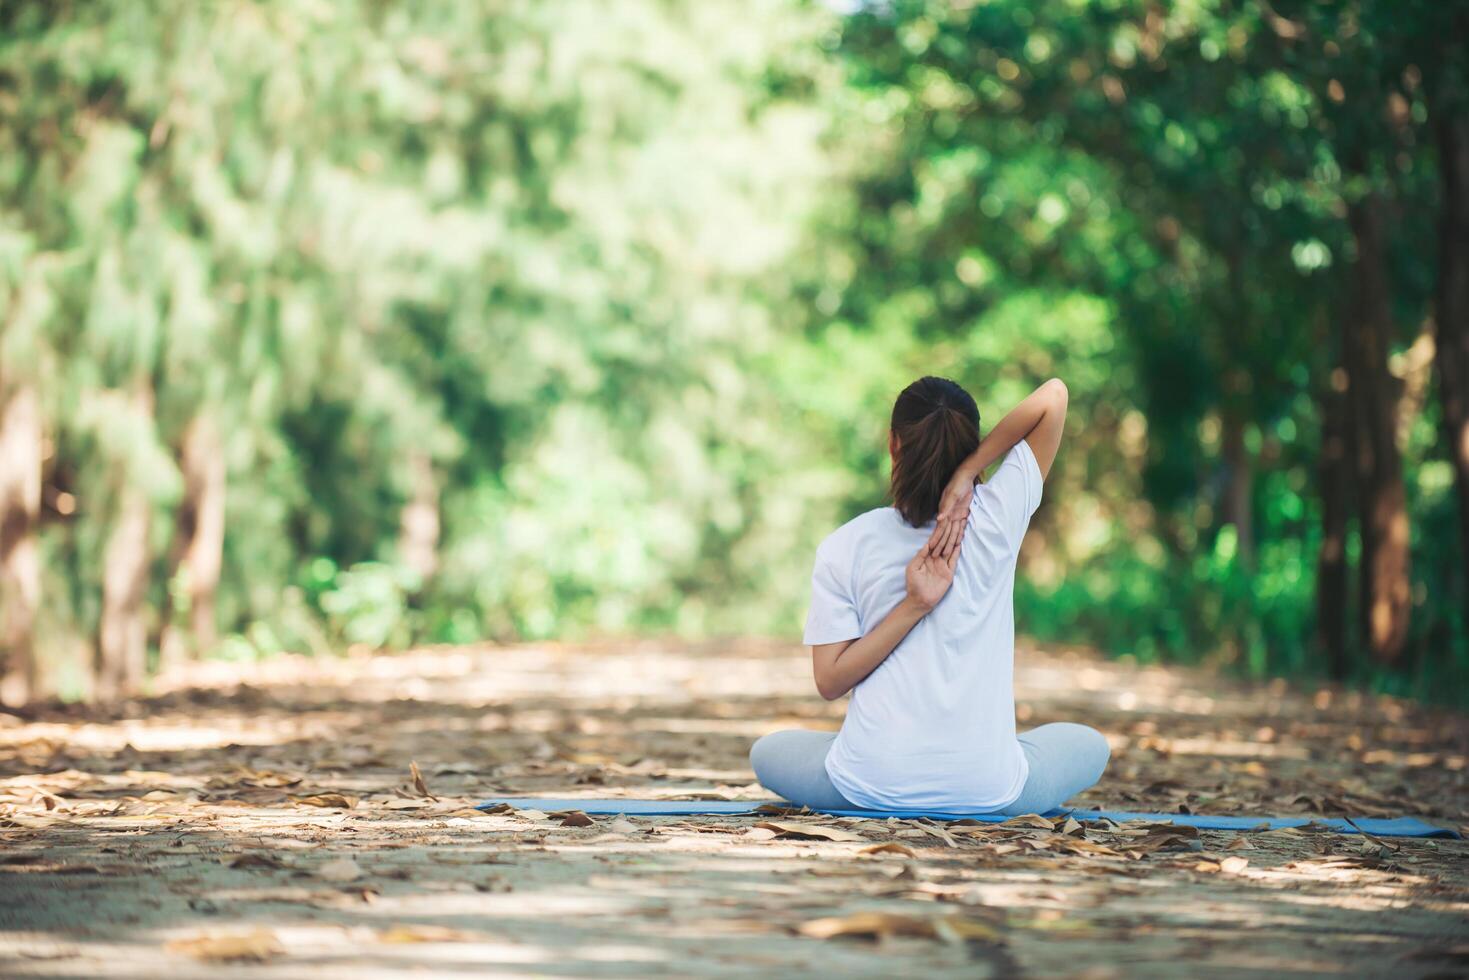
<point>828,688</point>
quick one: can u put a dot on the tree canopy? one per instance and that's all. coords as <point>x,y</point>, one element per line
<point>375,323</point>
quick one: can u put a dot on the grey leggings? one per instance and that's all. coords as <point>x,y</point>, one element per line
<point>1064,760</point>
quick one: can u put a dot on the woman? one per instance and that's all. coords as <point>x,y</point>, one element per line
<point>911,611</point>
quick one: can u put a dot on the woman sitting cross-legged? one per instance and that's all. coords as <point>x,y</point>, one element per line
<point>911,611</point>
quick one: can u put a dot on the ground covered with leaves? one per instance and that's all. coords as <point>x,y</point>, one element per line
<point>317,818</point>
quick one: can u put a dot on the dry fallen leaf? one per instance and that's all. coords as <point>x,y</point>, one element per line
<point>1033,820</point>
<point>256,946</point>
<point>1234,865</point>
<point>813,831</point>
<point>891,847</point>
<point>866,925</point>
<point>336,800</point>
<point>1166,827</point>
<point>1086,848</point>
<point>419,786</point>
<point>622,825</point>
<point>252,859</point>
<point>964,929</point>
<point>1280,832</point>
<point>251,777</point>
<point>466,813</point>
<point>576,818</point>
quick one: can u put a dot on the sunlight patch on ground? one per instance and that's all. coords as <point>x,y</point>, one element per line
<point>1228,748</point>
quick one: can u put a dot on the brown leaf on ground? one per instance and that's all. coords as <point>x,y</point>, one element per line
<point>1161,842</point>
<point>891,847</point>
<point>867,925</point>
<point>1381,845</point>
<point>779,810</point>
<point>1085,848</point>
<point>966,929</point>
<point>811,831</point>
<point>1165,827</point>
<point>576,818</point>
<point>256,946</point>
<point>337,801</point>
<point>252,859</point>
<point>940,833</point>
<point>416,777</point>
<point>256,778</point>
<point>1032,820</point>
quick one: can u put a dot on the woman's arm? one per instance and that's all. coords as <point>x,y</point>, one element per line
<point>1039,420</point>
<point>839,667</point>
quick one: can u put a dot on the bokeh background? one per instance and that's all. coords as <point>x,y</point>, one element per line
<point>328,324</point>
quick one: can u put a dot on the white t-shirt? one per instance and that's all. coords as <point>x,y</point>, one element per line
<point>933,727</point>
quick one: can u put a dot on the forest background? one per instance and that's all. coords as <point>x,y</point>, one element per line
<point>327,324</point>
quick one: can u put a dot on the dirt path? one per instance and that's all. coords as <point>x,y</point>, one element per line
<point>276,828</point>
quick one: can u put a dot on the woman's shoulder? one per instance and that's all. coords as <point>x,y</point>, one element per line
<point>845,538</point>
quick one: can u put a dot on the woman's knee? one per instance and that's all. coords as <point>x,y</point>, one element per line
<point>1094,749</point>
<point>761,754</point>
<point>1083,745</point>
<point>768,752</point>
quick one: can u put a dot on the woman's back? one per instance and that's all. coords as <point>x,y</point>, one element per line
<point>913,615</point>
<point>933,726</point>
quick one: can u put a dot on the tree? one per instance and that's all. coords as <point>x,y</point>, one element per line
<point>20,505</point>
<point>1449,101</point>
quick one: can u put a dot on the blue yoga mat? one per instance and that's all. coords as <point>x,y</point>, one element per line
<point>1376,826</point>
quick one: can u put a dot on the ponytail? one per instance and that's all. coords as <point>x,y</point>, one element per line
<point>936,425</point>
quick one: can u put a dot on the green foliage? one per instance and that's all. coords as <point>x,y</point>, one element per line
<point>637,289</point>
<point>1187,170</point>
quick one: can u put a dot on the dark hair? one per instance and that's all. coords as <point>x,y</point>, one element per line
<point>936,424</point>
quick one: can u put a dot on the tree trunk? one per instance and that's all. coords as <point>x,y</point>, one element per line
<point>418,536</point>
<point>1237,505</point>
<point>1335,476</point>
<point>20,568</point>
<point>1386,594</point>
<point>198,551</point>
<point>1239,489</point>
<point>122,640</point>
<point>1451,316</point>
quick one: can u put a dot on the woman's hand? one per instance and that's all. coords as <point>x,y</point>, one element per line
<point>953,514</point>
<point>929,577</point>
